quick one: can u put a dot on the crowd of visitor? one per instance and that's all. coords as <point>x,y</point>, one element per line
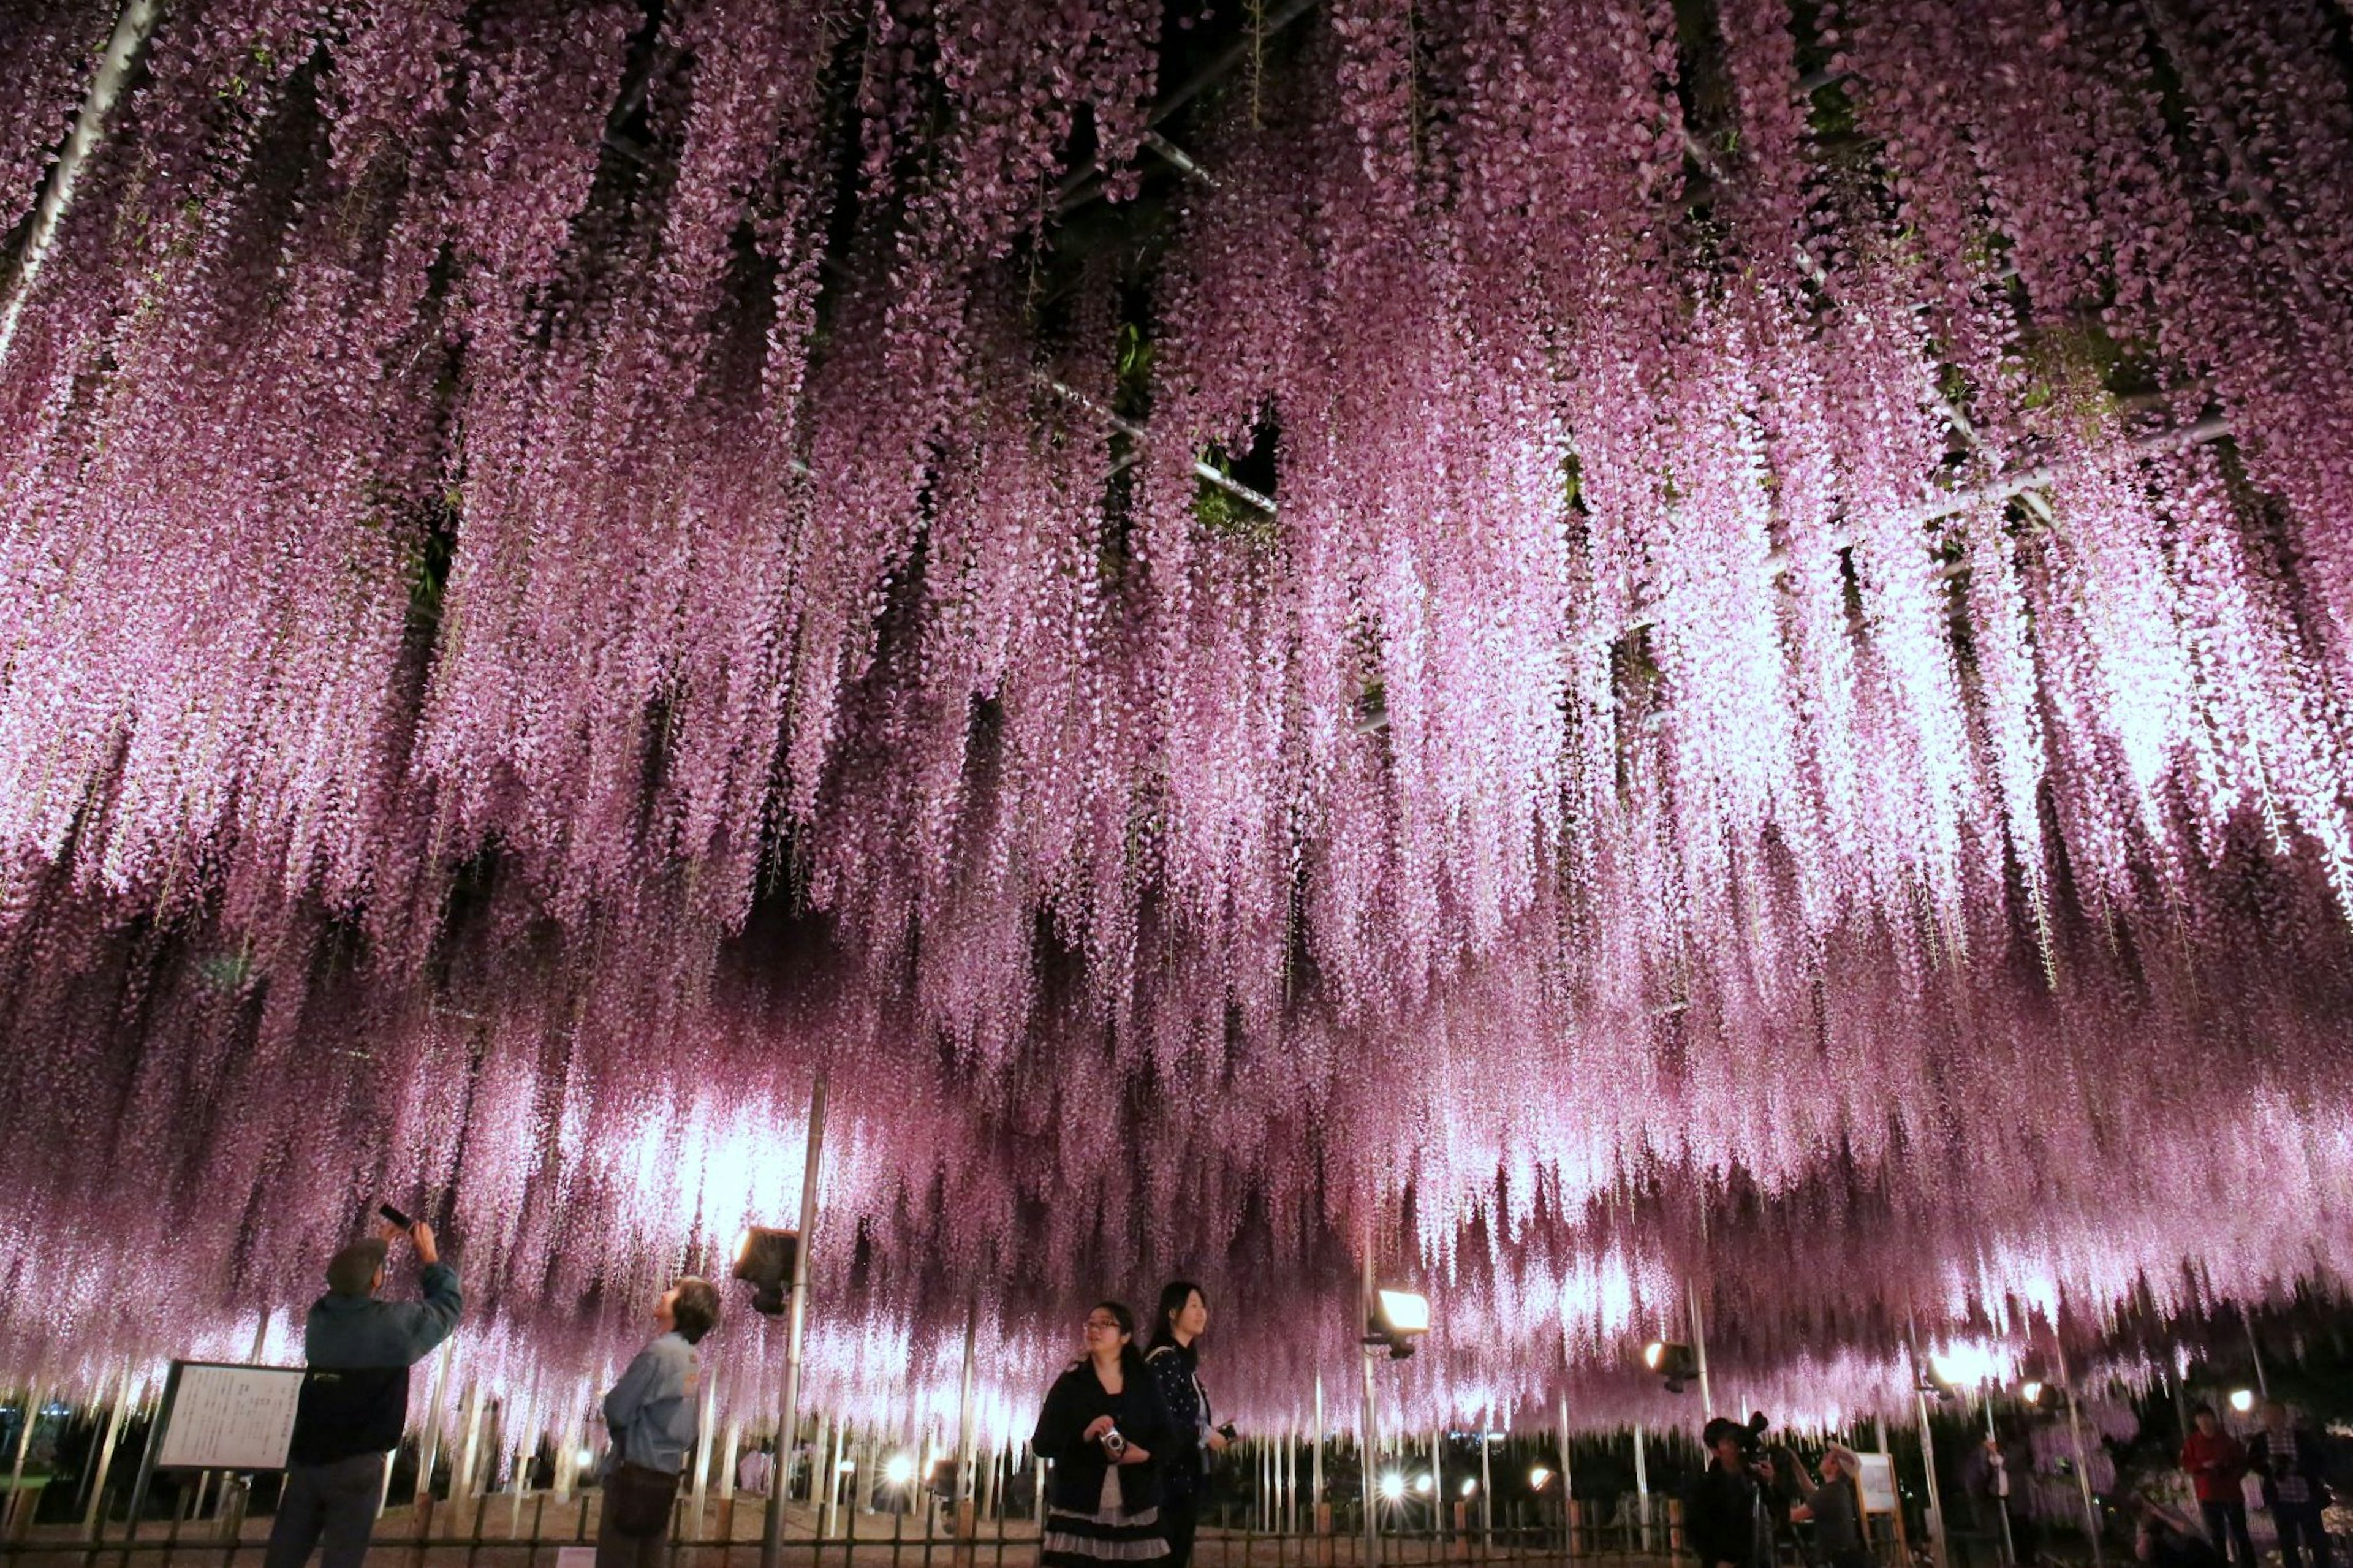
<point>1130,1437</point>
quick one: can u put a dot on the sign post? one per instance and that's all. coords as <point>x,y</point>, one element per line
<point>218,1416</point>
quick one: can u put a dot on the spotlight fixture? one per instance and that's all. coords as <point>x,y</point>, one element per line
<point>2243,1400</point>
<point>2030,1391</point>
<point>899,1469</point>
<point>1469,1487</point>
<point>1672,1361</point>
<point>764,1260</point>
<point>586,1457</point>
<point>1424,1485</point>
<point>1537,1478</point>
<point>1395,1318</point>
<point>1392,1486</point>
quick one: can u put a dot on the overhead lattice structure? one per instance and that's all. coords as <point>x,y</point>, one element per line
<point>1604,645</point>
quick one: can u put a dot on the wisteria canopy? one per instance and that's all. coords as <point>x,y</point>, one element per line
<point>1630,652</point>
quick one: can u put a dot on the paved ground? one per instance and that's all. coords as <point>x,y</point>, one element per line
<point>495,1534</point>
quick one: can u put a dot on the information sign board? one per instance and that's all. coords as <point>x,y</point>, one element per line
<point>221,1416</point>
<point>1878,1479</point>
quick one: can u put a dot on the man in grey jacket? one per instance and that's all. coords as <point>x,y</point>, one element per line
<point>354,1403</point>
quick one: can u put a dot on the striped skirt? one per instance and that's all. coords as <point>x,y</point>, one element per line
<point>1107,1535</point>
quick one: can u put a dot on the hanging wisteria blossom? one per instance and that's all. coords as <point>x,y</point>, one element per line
<point>1634,654</point>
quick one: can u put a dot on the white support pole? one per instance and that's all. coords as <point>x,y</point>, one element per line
<point>1315,1470</point>
<point>1642,1487</point>
<point>96,1511</point>
<point>1369,1437</point>
<point>827,1459</point>
<point>964,1475</point>
<point>1439,1507</point>
<point>772,1528</point>
<point>1568,1497</point>
<point>429,1447</point>
<point>2247,1321</point>
<point>2001,1485</point>
<point>567,1457</point>
<point>34,1396</point>
<point>1699,1348</point>
<point>464,1482</point>
<point>1936,1544</point>
<point>2082,1454</point>
<point>706,1450</point>
<point>1487,1484</point>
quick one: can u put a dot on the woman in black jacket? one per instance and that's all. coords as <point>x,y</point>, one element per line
<point>1103,1424</point>
<point>1174,1361</point>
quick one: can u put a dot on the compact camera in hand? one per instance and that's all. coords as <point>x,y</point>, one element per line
<point>1114,1444</point>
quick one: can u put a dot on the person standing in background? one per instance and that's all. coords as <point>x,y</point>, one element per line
<point>1174,1360</point>
<point>2217,1462</point>
<point>2289,1459</point>
<point>1724,1521</point>
<point>1835,1509</point>
<point>354,1404</point>
<point>754,1471</point>
<point>652,1415</point>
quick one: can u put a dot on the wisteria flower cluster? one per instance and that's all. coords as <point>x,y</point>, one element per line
<point>1627,662</point>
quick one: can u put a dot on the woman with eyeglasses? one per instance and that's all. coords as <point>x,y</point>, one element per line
<point>1103,1424</point>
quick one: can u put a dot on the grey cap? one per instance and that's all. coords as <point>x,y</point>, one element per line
<point>352,1271</point>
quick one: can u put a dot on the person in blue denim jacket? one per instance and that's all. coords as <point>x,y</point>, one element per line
<point>654,1416</point>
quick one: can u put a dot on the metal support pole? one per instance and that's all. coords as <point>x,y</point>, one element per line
<point>771,1528</point>
<point>2262,1383</point>
<point>2082,1457</point>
